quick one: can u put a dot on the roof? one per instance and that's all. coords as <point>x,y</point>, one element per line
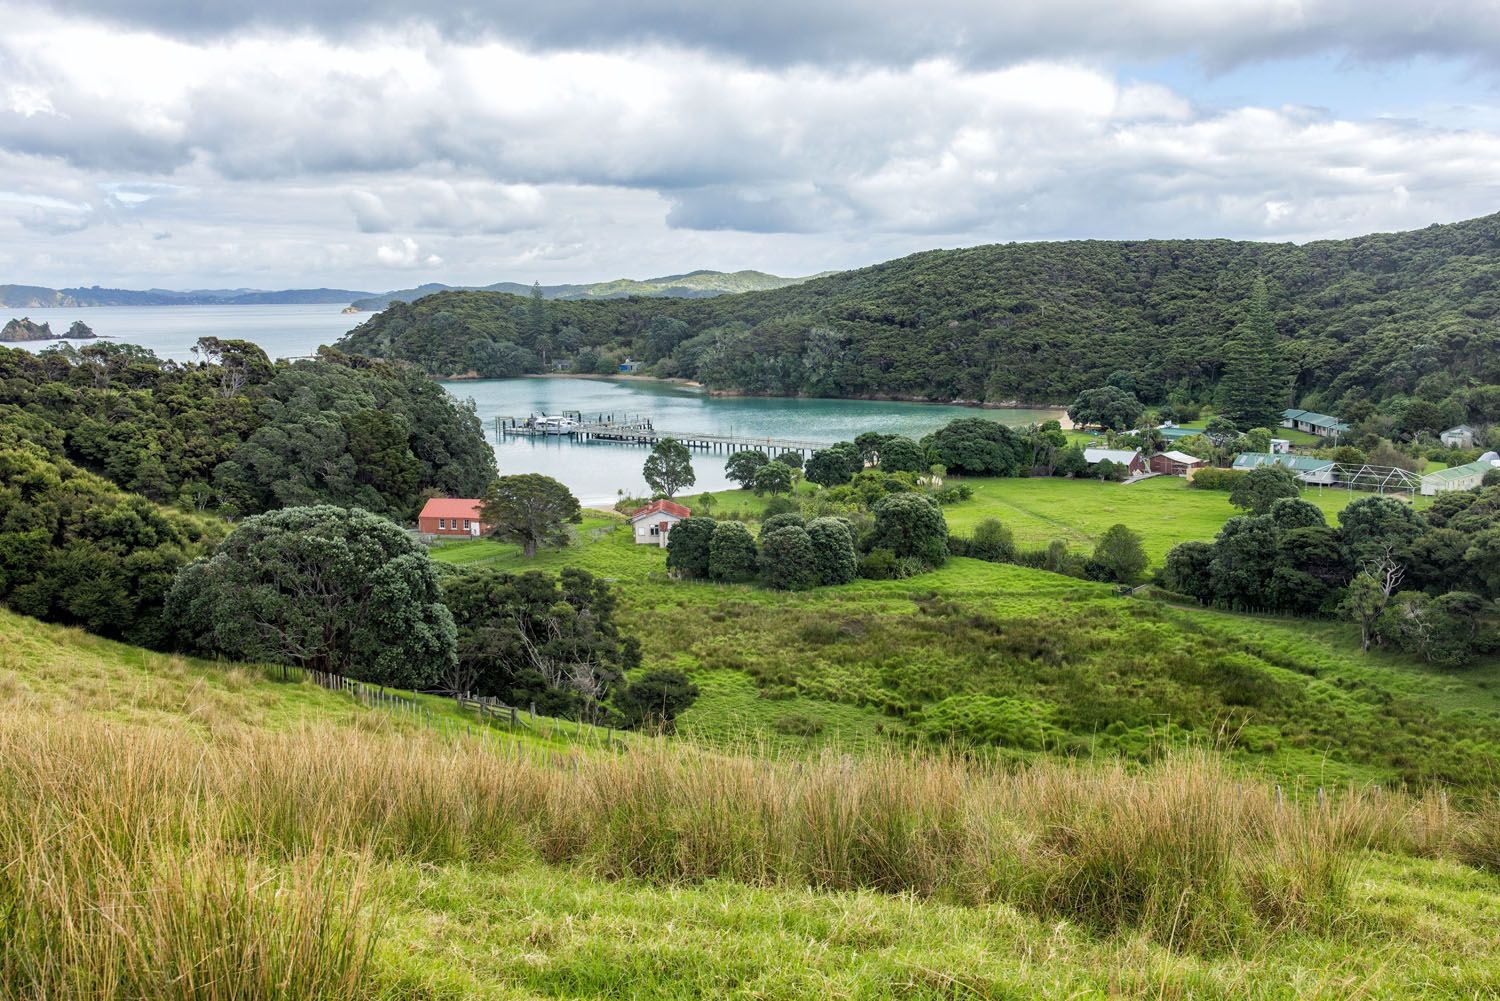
<point>1173,434</point>
<point>451,507</point>
<point>662,507</point>
<point>1460,429</point>
<point>1183,458</point>
<point>1123,456</point>
<point>1478,468</point>
<point>1315,419</point>
<point>1297,463</point>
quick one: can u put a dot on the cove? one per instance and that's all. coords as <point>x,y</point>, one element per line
<point>598,471</point>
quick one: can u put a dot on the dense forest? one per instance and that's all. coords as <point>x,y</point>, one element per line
<point>117,468</point>
<point>1376,317</point>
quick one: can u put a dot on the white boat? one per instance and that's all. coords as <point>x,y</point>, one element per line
<point>555,425</point>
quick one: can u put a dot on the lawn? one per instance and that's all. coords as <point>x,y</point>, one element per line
<point>1163,509</point>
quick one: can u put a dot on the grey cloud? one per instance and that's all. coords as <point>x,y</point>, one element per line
<point>892,32</point>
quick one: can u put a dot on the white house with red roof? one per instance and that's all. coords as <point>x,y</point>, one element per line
<point>653,523</point>
<point>451,517</point>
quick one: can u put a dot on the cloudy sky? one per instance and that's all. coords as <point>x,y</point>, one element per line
<point>358,144</point>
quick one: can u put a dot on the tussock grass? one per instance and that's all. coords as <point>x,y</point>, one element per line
<point>138,862</point>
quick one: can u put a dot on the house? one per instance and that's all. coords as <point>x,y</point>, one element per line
<point>1312,423</point>
<point>1281,446</point>
<point>451,517</point>
<point>1465,477</point>
<point>1459,437</point>
<point>1130,458</point>
<point>653,523</point>
<point>1175,463</point>
<point>630,367</point>
<point>1171,434</point>
<point>1305,467</point>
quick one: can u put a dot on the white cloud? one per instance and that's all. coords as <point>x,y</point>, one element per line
<point>406,253</point>
<point>293,159</point>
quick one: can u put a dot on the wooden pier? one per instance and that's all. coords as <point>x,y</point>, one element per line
<point>626,429</point>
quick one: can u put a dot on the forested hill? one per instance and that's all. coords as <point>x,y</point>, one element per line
<point>693,285</point>
<point>1037,322</point>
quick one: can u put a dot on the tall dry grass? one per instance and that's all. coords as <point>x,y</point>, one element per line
<point>142,863</point>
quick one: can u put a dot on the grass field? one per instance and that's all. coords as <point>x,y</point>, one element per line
<point>184,830</point>
<point>1163,509</point>
<point>975,651</point>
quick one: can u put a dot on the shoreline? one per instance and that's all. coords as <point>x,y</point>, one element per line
<point>1060,412</point>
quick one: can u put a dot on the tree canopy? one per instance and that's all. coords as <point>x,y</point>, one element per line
<point>1368,317</point>
<point>530,509</point>
<point>669,467</point>
<point>321,587</point>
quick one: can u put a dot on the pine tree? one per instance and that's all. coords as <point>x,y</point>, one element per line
<point>1254,388</point>
<point>536,316</point>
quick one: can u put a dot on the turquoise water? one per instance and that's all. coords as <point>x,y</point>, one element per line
<point>595,471</point>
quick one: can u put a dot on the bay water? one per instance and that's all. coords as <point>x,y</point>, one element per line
<point>596,471</point>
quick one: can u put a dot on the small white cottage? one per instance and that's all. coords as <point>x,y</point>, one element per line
<point>653,523</point>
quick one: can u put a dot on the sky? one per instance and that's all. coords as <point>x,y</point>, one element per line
<point>370,145</point>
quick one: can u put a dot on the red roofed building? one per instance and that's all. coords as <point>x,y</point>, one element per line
<point>451,516</point>
<point>653,523</point>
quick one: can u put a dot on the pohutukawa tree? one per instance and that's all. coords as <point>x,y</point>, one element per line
<point>532,510</point>
<point>328,588</point>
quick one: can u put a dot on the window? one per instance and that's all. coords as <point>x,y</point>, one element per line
<point>466,524</point>
<point>442,523</point>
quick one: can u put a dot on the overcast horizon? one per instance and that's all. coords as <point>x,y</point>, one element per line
<point>376,146</point>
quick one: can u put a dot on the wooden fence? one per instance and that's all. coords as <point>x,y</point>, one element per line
<point>487,709</point>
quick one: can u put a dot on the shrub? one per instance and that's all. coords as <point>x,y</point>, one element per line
<point>1261,487</point>
<point>655,700</point>
<point>1118,556</point>
<point>953,493</point>
<point>833,550</point>
<point>787,519</point>
<point>688,547</point>
<point>1214,478</point>
<point>788,561</point>
<point>731,552</point>
<point>993,541</point>
<point>910,525</point>
<point>878,564</point>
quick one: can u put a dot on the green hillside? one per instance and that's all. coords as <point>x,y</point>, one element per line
<point>297,845</point>
<point>1376,317</point>
<point>1040,664</point>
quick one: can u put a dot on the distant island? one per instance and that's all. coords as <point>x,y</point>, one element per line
<point>692,285</point>
<point>27,329</point>
<point>40,297</point>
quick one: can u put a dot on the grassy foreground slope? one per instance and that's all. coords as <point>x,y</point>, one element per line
<point>298,848</point>
<point>1035,664</point>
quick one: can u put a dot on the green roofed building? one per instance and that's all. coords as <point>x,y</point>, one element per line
<point>1465,477</point>
<point>1307,468</point>
<point>1313,423</point>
